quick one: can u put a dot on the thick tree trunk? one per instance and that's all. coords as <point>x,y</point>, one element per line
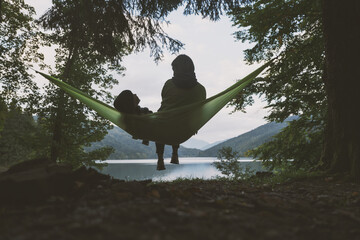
<point>341,20</point>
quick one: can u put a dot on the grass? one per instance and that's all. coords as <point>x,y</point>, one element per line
<point>273,178</point>
<point>286,175</point>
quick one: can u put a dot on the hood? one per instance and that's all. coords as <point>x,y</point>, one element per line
<point>184,72</point>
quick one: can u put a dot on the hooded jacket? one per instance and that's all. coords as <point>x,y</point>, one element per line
<point>183,88</point>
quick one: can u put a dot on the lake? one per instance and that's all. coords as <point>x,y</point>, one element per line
<point>141,169</point>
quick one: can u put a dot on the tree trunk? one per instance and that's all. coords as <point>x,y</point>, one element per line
<point>1,10</point>
<point>56,144</point>
<point>57,129</point>
<point>341,151</point>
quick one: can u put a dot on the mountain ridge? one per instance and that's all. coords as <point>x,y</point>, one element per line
<point>128,148</point>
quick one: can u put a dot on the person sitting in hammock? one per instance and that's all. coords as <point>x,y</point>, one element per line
<point>127,102</point>
<point>182,89</point>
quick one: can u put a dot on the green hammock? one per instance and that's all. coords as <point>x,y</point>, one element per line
<point>174,126</point>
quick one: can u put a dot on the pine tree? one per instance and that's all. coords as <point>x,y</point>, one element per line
<point>292,32</point>
<point>315,75</point>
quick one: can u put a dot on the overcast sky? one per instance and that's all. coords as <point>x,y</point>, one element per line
<point>218,60</point>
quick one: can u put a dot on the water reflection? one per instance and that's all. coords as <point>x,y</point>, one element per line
<point>188,168</point>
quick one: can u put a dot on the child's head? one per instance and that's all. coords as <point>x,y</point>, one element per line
<point>126,102</point>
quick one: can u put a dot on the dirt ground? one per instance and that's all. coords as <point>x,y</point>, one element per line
<point>57,203</point>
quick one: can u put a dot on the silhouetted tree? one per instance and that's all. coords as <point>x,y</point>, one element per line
<point>82,61</point>
<point>305,33</point>
<point>292,31</point>
<point>342,37</point>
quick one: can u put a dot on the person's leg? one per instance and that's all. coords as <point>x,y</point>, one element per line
<point>175,157</point>
<point>160,152</point>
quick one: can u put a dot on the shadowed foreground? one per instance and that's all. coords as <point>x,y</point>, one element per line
<point>54,202</point>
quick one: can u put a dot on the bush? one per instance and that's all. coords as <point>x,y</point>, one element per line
<point>230,166</point>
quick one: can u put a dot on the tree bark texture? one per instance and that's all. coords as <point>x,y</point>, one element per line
<point>341,21</point>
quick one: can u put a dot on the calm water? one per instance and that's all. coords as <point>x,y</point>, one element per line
<point>188,168</point>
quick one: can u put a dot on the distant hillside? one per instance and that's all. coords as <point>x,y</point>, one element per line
<point>128,148</point>
<point>211,145</point>
<point>195,143</point>
<point>247,141</point>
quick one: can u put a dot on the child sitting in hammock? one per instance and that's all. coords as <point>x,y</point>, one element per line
<point>127,102</point>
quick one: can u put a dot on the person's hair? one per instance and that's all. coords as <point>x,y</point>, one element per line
<point>184,72</point>
<point>125,102</point>
<point>183,64</point>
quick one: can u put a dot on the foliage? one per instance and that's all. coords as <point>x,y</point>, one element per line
<point>109,26</point>
<point>230,166</point>
<point>19,45</point>
<point>79,125</point>
<point>302,149</point>
<point>211,9</point>
<point>85,54</point>
<point>130,24</point>
<point>21,139</point>
<point>282,174</point>
<point>293,84</point>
